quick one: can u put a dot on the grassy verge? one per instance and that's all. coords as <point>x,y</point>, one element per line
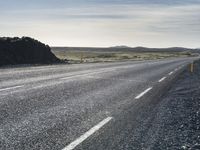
<point>88,56</point>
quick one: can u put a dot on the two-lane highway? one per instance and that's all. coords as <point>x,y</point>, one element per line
<point>73,106</point>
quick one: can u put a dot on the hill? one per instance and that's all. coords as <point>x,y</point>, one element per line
<point>25,50</point>
<point>119,53</point>
<point>124,49</point>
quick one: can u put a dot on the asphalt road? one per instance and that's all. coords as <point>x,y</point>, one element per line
<point>82,106</point>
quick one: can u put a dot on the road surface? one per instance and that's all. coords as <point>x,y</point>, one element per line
<point>80,106</point>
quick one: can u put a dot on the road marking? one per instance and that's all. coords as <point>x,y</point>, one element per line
<point>87,74</point>
<point>162,79</point>
<point>82,138</point>
<point>10,88</point>
<point>70,77</point>
<point>171,73</point>
<point>79,75</point>
<point>143,93</point>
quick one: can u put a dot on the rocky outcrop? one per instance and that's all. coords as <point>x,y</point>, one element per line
<point>25,50</point>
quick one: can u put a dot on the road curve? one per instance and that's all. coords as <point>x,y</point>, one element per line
<point>73,106</point>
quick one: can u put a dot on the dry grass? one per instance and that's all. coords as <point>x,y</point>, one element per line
<point>88,56</point>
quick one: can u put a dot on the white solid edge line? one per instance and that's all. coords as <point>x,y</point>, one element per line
<point>83,137</point>
<point>162,79</point>
<point>75,76</point>
<point>171,73</point>
<point>141,94</point>
<point>86,74</point>
<point>70,77</point>
<point>10,88</point>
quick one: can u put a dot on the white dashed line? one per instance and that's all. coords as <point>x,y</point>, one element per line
<point>10,88</point>
<point>82,138</point>
<point>171,73</point>
<point>162,79</point>
<point>143,93</point>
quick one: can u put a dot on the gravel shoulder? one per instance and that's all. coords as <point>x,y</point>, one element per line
<point>176,123</point>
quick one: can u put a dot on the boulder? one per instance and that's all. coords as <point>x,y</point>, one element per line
<point>25,50</point>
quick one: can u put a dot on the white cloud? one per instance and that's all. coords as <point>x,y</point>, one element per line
<point>146,25</point>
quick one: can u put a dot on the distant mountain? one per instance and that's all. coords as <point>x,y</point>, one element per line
<point>173,49</point>
<point>124,48</point>
<point>121,46</point>
<point>25,50</point>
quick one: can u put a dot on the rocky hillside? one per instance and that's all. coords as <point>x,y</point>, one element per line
<point>25,50</point>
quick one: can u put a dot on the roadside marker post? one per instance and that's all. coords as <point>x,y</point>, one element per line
<point>81,57</point>
<point>192,67</point>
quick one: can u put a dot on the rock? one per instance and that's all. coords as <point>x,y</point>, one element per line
<point>25,50</point>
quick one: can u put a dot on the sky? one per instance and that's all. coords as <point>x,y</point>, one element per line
<point>104,23</point>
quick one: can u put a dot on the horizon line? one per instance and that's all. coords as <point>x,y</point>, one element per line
<point>123,47</point>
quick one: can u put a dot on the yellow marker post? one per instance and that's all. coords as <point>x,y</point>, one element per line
<point>192,67</point>
<point>81,57</point>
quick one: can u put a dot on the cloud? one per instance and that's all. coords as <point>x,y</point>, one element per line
<point>152,23</point>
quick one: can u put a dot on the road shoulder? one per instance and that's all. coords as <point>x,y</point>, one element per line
<point>176,124</point>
